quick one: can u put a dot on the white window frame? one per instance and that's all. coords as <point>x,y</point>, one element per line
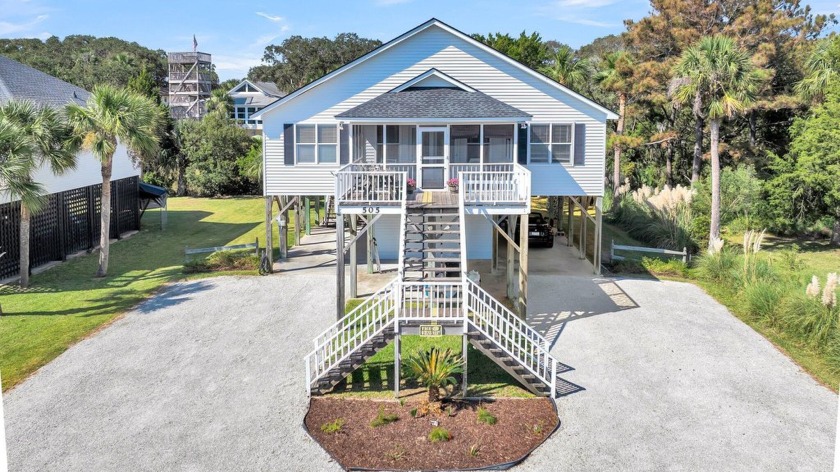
<point>317,145</point>
<point>571,143</point>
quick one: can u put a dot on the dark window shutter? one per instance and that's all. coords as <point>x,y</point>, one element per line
<point>580,144</point>
<point>289,144</point>
<point>344,145</point>
<point>522,145</point>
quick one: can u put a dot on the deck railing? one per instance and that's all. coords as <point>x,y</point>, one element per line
<point>365,184</point>
<point>463,301</point>
<point>510,187</point>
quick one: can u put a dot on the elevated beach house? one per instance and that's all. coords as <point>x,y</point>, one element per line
<point>437,143</point>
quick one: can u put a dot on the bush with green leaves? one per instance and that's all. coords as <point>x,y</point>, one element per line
<point>661,218</point>
<point>484,416</point>
<point>383,418</point>
<point>439,434</point>
<point>333,426</point>
<point>434,369</point>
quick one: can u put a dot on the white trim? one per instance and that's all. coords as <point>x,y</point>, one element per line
<point>435,22</point>
<point>551,124</point>
<point>252,84</point>
<point>317,162</point>
<point>433,121</point>
<point>433,72</point>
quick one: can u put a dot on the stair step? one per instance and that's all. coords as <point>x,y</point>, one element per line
<point>434,231</point>
<point>432,279</point>
<point>409,260</point>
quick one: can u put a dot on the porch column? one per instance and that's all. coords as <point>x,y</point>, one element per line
<point>464,356</point>
<point>397,362</point>
<point>371,235</point>
<point>509,255</point>
<point>354,262</point>
<point>298,222</point>
<point>583,219</point>
<point>269,233</point>
<point>522,303</point>
<point>317,209</point>
<point>494,261</point>
<point>339,265</point>
<point>307,216</point>
<point>284,229</point>
<point>570,221</point>
<point>599,213</point>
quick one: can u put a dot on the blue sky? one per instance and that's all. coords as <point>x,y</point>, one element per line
<point>236,33</point>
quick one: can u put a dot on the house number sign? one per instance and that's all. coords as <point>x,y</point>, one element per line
<point>371,210</point>
<point>431,330</point>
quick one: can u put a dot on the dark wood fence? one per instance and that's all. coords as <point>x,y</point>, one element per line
<point>69,223</point>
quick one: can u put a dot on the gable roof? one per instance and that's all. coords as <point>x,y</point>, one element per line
<point>21,82</point>
<point>414,31</point>
<point>267,88</point>
<point>434,103</point>
<point>430,75</point>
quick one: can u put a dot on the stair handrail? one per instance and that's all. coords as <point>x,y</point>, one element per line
<point>475,290</point>
<point>343,338</point>
<point>403,235</point>
<point>511,334</point>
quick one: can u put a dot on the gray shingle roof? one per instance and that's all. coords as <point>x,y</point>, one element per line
<point>21,82</point>
<point>259,101</point>
<point>434,103</point>
<point>270,88</point>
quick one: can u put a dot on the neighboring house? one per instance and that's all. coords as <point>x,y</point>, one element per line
<point>251,97</point>
<point>70,221</point>
<point>432,105</point>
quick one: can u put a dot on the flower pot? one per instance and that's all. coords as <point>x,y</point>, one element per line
<point>453,189</point>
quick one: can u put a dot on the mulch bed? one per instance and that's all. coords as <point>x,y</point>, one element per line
<point>522,425</point>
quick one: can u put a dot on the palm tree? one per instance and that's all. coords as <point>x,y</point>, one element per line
<point>567,69</point>
<point>821,67</point>
<point>51,143</point>
<point>219,103</point>
<point>113,116</point>
<point>717,78</point>
<point>434,369</point>
<point>614,76</point>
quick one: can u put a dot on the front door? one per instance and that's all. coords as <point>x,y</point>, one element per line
<point>433,160</point>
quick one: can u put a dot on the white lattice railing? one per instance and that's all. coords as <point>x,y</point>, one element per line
<point>425,301</point>
<point>354,330</point>
<point>512,334</point>
<point>496,187</point>
<point>366,184</point>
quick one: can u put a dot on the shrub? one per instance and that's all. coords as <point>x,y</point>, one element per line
<point>672,267</point>
<point>382,418</point>
<point>717,266</point>
<point>661,218</point>
<point>474,450</point>
<point>434,369</point>
<point>439,434</point>
<point>333,426</point>
<point>485,416</point>
<point>761,300</point>
<point>396,454</point>
<point>224,260</point>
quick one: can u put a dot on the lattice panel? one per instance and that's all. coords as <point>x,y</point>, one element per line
<point>44,235</point>
<point>77,217</point>
<point>9,238</point>
<point>68,223</point>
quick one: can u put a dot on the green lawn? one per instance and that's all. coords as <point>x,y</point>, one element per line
<point>376,377</point>
<point>66,303</point>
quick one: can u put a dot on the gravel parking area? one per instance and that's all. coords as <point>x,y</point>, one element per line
<point>208,376</point>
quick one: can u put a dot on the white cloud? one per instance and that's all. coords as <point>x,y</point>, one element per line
<point>272,18</point>
<point>581,12</point>
<point>8,27</point>
<point>234,66</point>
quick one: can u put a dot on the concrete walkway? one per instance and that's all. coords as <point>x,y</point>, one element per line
<point>208,376</point>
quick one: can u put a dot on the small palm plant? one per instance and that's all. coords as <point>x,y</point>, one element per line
<point>434,369</point>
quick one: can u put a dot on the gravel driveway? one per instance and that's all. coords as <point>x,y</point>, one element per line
<point>208,376</point>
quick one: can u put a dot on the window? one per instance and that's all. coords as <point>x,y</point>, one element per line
<point>400,144</point>
<point>316,144</point>
<point>465,144</point>
<point>498,143</point>
<point>551,143</point>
